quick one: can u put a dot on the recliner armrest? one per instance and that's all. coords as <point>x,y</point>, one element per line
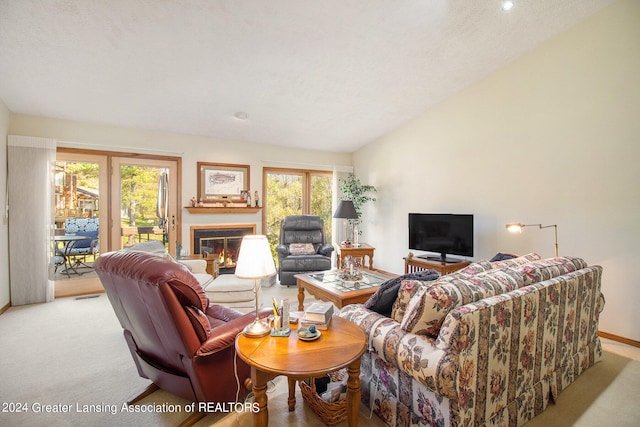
<point>224,336</point>
<point>282,250</point>
<point>325,250</point>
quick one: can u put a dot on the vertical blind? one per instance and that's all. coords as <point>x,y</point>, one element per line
<point>30,171</point>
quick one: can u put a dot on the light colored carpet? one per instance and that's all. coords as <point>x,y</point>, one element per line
<point>72,352</point>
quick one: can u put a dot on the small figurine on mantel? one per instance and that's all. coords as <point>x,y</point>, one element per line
<point>194,202</point>
<point>200,203</point>
<point>256,198</point>
<point>248,200</point>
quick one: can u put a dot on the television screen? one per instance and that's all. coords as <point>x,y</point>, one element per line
<point>446,234</point>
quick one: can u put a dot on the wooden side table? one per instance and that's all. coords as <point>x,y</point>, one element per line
<point>361,251</point>
<point>340,346</point>
<point>413,265</point>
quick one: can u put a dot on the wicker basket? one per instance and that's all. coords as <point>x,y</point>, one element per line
<point>330,413</point>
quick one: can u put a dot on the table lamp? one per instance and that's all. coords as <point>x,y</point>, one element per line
<point>347,211</point>
<point>255,262</point>
<point>517,228</point>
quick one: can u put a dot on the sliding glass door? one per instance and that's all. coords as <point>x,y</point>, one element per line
<point>81,192</point>
<point>144,202</point>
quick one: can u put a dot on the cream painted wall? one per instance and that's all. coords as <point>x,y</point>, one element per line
<point>551,138</point>
<point>191,149</point>
<point>5,296</point>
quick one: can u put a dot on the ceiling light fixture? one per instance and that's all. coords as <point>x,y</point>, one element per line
<point>241,115</point>
<point>507,5</point>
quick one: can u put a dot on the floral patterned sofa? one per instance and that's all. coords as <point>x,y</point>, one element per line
<point>491,344</point>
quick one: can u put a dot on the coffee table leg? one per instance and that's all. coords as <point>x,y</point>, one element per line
<point>300,298</point>
<point>292,394</point>
<point>259,380</point>
<point>353,393</point>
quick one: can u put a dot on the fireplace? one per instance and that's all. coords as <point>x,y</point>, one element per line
<point>221,242</point>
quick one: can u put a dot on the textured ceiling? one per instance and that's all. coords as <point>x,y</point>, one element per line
<point>329,75</point>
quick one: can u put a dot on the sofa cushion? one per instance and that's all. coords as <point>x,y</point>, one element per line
<point>546,269</point>
<point>468,271</point>
<point>514,262</point>
<point>227,288</point>
<point>150,246</point>
<point>474,268</point>
<point>429,306</point>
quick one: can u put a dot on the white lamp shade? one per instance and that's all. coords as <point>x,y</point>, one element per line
<point>255,260</point>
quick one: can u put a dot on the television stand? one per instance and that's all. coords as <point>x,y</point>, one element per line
<point>416,264</point>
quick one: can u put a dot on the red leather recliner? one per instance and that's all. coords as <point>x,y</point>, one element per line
<point>181,343</point>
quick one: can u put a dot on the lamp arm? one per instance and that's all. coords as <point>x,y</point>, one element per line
<point>555,231</point>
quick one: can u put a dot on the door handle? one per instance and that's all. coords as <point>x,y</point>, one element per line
<point>173,223</point>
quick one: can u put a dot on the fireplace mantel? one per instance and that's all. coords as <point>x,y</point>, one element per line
<point>222,210</point>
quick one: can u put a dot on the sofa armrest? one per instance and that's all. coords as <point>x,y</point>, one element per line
<point>194,265</point>
<point>416,355</point>
<point>325,250</point>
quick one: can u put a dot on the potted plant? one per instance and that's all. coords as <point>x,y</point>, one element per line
<point>352,189</point>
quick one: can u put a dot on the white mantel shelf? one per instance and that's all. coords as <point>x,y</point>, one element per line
<point>223,210</point>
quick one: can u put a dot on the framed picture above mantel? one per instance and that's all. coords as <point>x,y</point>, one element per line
<point>221,181</point>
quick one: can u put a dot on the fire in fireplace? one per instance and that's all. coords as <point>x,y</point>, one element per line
<point>221,242</point>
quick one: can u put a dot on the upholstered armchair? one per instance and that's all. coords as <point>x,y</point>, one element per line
<point>302,247</point>
<point>177,339</point>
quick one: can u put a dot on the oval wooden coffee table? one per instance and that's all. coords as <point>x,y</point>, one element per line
<point>340,346</point>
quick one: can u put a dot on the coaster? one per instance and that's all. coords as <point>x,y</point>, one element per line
<point>283,333</point>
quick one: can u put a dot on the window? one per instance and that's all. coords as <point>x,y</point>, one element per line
<point>295,192</point>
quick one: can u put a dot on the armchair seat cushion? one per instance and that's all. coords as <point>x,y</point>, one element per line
<point>305,263</point>
<point>85,244</point>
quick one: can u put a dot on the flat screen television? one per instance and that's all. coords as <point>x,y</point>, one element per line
<point>446,234</point>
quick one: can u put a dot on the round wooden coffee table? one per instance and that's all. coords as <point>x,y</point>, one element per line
<point>340,346</point>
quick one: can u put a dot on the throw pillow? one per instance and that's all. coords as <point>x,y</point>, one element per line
<point>428,307</point>
<point>501,257</point>
<point>383,299</point>
<point>408,288</point>
<point>302,249</point>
